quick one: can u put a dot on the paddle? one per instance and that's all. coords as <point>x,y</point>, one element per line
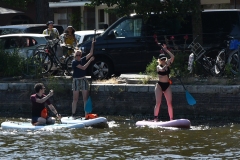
<point>191,101</point>
<point>88,107</point>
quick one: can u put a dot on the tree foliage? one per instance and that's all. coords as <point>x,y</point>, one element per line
<point>164,7</point>
<point>17,3</point>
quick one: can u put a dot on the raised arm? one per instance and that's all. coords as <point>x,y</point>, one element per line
<point>169,53</point>
<point>91,51</point>
<point>44,98</point>
<point>86,65</point>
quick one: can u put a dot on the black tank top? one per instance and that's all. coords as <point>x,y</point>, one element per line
<point>166,72</point>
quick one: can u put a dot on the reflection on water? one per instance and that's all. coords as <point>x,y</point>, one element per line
<point>122,140</point>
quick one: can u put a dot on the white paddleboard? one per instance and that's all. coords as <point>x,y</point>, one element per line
<point>179,123</point>
<point>89,122</point>
<point>29,126</point>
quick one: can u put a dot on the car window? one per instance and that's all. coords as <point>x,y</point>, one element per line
<point>129,28</point>
<point>88,37</point>
<point>78,37</point>
<point>38,30</point>
<point>4,31</point>
<point>17,42</point>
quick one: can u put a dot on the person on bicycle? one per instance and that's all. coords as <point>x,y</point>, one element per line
<point>69,39</point>
<point>52,32</point>
<point>39,111</point>
<point>163,85</point>
<point>80,83</point>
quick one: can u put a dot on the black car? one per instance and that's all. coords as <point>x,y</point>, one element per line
<point>129,44</point>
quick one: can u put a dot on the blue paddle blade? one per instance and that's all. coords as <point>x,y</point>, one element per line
<point>191,101</point>
<point>88,107</point>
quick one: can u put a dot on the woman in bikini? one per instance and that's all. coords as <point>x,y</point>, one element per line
<point>163,85</point>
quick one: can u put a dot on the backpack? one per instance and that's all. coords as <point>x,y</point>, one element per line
<point>44,113</point>
<point>91,116</point>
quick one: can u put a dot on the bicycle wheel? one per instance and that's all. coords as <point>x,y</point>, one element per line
<point>69,65</point>
<point>44,61</point>
<point>209,61</point>
<point>233,62</point>
<point>220,63</point>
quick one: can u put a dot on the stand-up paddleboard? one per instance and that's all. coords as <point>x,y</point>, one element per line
<point>29,126</point>
<point>88,122</point>
<point>179,123</point>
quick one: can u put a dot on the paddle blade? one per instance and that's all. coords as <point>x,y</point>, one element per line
<point>88,107</point>
<point>191,101</point>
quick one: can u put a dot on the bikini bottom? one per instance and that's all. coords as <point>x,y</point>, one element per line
<point>164,85</point>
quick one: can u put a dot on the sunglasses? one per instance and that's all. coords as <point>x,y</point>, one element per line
<point>163,59</point>
<point>78,55</point>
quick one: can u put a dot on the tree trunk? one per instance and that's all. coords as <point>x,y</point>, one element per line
<point>197,21</point>
<point>43,13</point>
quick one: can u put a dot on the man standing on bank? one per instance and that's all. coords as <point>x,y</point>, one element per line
<point>163,85</point>
<point>39,110</point>
<point>80,83</point>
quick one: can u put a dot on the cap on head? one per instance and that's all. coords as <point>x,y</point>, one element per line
<point>162,56</point>
<point>49,22</point>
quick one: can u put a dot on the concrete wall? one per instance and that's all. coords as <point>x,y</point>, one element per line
<point>214,102</point>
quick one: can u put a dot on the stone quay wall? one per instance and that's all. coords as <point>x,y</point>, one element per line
<point>214,102</point>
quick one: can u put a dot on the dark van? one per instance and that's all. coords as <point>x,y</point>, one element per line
<point>128,45</point>
<point>27,28</point>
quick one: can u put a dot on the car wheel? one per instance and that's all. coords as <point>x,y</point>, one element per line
<point>101,69</point>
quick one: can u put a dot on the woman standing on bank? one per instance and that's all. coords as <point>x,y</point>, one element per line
<point>163,85</point>
<point>80,83</point>
<point>69,39</point>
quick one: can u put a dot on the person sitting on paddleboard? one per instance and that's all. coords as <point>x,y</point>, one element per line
<point>39,110</point>
<point>80,83</point>
<point>163,85</point>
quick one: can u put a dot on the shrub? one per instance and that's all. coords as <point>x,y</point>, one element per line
<point>180,65</point>
<point>10,63</point>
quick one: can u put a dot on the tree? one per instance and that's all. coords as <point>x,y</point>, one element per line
<point>144,7</point>
<point>165,9</point>
<point>43,13</point>
<point>18,3</point>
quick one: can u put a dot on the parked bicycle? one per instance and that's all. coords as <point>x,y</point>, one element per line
<point>214,60</point>
<point>48,60</point>
<point>206,58</point>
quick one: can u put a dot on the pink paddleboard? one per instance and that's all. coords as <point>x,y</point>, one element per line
<point>179,123</point>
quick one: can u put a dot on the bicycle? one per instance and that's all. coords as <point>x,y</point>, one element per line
<point>46,56</point>
<point>206,58</point>
<point>233,58</point>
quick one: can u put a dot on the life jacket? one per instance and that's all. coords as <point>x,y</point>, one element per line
<point>91,116</point>
<point>44,113</point>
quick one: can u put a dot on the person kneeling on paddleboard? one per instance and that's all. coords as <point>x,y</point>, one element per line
<point>39,110</point>
<point>163,85</point>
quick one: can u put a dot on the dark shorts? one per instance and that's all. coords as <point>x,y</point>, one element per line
<point>164,85</point>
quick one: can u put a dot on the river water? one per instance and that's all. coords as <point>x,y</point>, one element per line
<point>122,140</point>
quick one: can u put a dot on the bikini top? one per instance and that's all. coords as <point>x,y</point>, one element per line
<point>163,73</point>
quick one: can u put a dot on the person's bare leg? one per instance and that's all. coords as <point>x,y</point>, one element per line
<point>85,98</point>
<point>41,122</point>
<point>75,100</point>
<point>50,120</point>
<point>158,97</point>
<point>168,96</point>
